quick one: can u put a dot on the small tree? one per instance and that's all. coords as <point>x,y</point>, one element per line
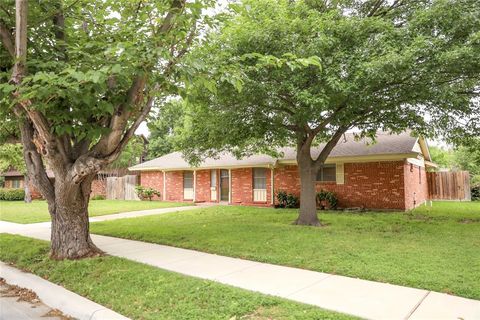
<point>146,193</point>
<point>80,77</point>
<point>311,70</point>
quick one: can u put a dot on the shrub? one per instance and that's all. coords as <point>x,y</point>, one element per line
<point>287,200</point>
<point>146,193</point>
<point>292,201</point>
<point>12,194</point>
<point>475,191</point>
<point>326,197</point>
<point>98,197</point>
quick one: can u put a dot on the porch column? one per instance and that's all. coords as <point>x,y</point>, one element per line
<point>272,196</point>
<point>194,185</point>
<point>229,185</point>
<point>164,186</point>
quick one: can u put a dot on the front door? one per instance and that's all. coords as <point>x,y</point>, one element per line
<point>224,185</point>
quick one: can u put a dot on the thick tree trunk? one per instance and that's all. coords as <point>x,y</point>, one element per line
<point>70,237</point>
<point>308,203</point>
<point>26,187</point>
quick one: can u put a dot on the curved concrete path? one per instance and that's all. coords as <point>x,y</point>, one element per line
<point>362,298</point>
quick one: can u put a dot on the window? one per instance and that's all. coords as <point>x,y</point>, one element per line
<point>188,180</point>
<point>213,178</point>
<point>327,173</point>
<point>259,178</point>
<point>16,183</point>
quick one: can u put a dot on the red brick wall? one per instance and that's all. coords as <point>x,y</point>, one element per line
<point>242,190</point>
<point>174,186</point>
<point>286,179</point>
<point>202,186</point>
<point>99,188</point>
<point>416,187</point>
<point>152,179</point>
<point>373,185</point>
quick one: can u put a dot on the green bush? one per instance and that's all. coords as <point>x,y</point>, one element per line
<point>146,193</point>
<point>326,197</point>
<point>12,194</point>
<point>475,190</point>
<point>98,197</point>
<point>287,200</point>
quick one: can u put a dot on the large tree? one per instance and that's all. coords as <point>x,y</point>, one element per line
<point>311,70</point>
<point>79,77</point>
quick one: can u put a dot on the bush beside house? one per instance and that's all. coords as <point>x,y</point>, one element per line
<point>11,194</point>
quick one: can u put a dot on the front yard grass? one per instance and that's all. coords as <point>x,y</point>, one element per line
<point>434,248</point>
<point>139,291</point>
<point>37,211</point>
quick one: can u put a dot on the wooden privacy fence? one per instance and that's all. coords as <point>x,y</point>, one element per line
<point>449,185</point>
<point>122,188</point>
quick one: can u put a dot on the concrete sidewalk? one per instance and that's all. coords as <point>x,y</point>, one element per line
<point>366,299</point>
<point>141,213</point>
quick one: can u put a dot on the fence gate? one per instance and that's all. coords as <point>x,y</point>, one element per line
<point>449,185</point>
<point>122,188</point>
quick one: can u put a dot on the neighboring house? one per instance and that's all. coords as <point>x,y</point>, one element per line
<point>389,174</point>
<point>16,179</point>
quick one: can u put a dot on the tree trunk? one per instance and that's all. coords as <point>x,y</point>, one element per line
<point>70,237</point>
<point>26,187</point>
<point>308,202</point>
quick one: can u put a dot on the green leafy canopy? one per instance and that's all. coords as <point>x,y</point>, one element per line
<point>303,68</point>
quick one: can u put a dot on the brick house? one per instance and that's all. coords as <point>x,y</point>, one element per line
<point>389,174</point>
<point>16,179</point>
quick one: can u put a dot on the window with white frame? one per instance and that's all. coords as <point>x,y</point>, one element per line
<point>188,185</point>
<point>259,184</point>
<point>327,173</point>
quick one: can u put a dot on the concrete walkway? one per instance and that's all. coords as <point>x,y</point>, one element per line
<point>366,299</point>
<point>142,213</point>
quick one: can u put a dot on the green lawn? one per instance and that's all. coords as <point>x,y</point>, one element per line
<point>139,291</point>
<point>37,211</point>
<point>434,248</point>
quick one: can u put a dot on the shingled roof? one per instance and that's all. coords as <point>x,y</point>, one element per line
<point>385,144</point>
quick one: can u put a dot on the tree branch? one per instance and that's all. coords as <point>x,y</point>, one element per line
<point>21,9</point>
<point>33,160</point>
<point>329,146</point>
<point>7,39</point>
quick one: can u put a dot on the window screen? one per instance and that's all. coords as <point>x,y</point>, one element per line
<point>16,184</point>
<point>327,173</point>
<point>259,178</point>
<point>213,178</point>
<point>187,179</point>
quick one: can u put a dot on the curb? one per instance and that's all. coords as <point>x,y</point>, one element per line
<point>57,297</point>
